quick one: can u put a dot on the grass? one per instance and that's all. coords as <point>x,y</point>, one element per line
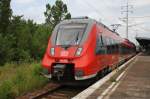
<point>16,80</point>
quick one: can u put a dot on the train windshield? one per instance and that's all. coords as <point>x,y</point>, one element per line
<point>70,34</point>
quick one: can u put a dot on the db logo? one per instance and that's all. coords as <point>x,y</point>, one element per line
<point>64,53</point>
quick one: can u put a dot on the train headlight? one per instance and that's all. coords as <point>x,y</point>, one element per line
<point>79,51</point>
<point>52,51</point>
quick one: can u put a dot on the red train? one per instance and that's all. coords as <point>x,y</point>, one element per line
<point>80,49</point>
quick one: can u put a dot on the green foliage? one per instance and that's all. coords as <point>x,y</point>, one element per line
<point>5,50</point>
<point>54,14</point>
<point>6,90</point>
<point>26,41</point>
<point>39,41</point>
<point>26,78</point>
<point>22,32</point>
<point>5,15</point>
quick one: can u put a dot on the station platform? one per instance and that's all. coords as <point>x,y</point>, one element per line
<point>133,82</point>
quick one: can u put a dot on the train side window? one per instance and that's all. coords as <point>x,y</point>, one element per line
<point>112,44</point>
<point>105,43</point>
<point>100,40</point>
<point>109,45</point>
<point>104,40</point>
<point>116,46</point>
<point>100,48</point>
<point>98,44</point>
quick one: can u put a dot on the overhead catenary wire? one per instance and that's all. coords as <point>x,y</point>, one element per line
<point>94,8</point>
<point>136,17</point>
<point>108,6</point>
<point>98,11</point>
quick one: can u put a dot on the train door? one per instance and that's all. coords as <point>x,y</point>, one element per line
<point>105,53</point>
<point>116,59</point>
<point>101,51</point>
<point>115,53</point>
<point>109,51</point>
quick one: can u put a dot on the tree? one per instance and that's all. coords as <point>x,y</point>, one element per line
<point>5,15</point>
<point>5,49</point>
<point>56,13</point>
<point>39,41</point>
<point>20,35</point>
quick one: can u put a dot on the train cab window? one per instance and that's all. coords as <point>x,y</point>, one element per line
<point>70,34</point>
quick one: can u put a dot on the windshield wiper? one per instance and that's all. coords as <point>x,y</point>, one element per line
<point>77,38</point>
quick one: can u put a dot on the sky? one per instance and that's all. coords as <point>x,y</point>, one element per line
<point>106,11</point>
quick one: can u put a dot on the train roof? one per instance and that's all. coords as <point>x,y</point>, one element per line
<point>92,21</point>
<point>87,20</point>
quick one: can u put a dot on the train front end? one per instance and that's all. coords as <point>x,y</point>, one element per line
<point>70,52</point>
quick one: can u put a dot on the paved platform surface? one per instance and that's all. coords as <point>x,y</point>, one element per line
<point>135,83</point>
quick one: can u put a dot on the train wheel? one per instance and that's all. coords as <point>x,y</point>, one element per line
<point>99,75</point>
<point>109,69</point>
<point>103,73</point>
<point>106,70</point>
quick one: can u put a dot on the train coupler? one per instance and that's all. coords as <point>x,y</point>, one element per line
<point>58,71</point>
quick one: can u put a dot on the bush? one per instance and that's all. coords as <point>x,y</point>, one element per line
<point>6,90</point>
<point>25,79</point>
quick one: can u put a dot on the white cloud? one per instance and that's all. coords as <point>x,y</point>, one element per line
<point>141,3</point>
<point>36,13</point>
<point>30,9</point>
<point>23,1</point>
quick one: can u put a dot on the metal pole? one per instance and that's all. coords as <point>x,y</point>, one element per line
<point>126,11</point>
<point>127,23</point>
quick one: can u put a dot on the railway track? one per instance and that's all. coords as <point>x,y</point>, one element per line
<point>61,92</point>
<point>54,91</point>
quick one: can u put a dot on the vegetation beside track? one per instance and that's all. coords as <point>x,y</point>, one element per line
<point>16,80</point>
<point>23,41</point>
